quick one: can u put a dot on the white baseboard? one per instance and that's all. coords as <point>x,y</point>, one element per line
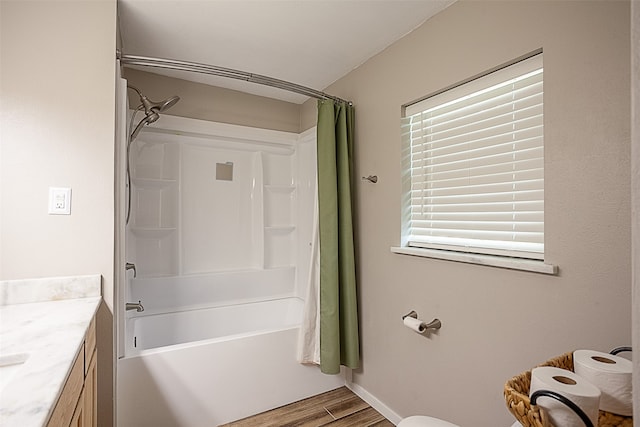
<point>374,402</point>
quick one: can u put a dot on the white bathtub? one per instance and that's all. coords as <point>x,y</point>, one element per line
<point>207,367</point>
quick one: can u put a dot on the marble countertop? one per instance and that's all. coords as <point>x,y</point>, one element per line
<point>48,333</point>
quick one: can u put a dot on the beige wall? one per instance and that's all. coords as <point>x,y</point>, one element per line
<point>635,190</point>
<point>57,91</point>
<point>199,101</point>
<point>497,322</point>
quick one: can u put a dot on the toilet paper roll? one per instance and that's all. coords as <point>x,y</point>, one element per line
<point>575,388</point>
<point>611,374</point>
<point>415,324</point>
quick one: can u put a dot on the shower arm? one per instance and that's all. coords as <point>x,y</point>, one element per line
<point>213,70</point>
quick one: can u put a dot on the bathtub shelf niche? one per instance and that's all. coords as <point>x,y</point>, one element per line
<point>155,193</point>
<point>280,210</point>
<point>279,203</point>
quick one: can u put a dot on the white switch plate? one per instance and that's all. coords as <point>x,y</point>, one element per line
<point>59,201</point>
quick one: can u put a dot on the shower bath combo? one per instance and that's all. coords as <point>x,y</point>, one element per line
<point>217,230</point>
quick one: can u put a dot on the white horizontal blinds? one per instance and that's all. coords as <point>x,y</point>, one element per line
<point>477,165</point>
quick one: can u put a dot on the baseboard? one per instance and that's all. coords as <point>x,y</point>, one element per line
<point>374,402</point>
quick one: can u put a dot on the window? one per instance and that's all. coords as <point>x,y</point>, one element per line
<point>474,163</point>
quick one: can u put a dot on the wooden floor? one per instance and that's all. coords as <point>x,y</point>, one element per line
<point>336,408</point>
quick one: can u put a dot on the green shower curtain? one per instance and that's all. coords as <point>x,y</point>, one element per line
<point>338,301</point>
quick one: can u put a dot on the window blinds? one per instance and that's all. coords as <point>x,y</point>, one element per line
<point>476,162</point>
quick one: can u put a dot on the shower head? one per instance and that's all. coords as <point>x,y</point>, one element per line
<point>167,103</point>
<point>151,109</point>
<point>160,106</point>
<point>157,107</point>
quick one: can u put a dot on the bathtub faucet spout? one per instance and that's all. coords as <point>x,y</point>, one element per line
<point>137,306</point>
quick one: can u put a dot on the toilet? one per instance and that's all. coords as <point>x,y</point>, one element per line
<point>424,421</point>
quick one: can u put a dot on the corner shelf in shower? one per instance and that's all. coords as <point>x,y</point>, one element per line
<point>152,233</point>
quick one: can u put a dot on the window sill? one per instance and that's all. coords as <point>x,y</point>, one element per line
<point>490,260</point>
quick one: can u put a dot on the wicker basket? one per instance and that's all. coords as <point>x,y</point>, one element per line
<point>516,394</point>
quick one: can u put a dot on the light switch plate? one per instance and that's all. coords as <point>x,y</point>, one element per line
<point>59,201</point>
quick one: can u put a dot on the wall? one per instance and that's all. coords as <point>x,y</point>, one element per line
<point>496,322</point>
<point>57,91</point>
<point>199,101</point>
<point>635,190</point>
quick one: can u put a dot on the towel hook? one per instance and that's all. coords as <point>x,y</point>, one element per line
<point>371,178</point>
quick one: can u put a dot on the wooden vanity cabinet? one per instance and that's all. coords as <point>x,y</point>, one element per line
<point>77,403</point>
<point>90,398</point>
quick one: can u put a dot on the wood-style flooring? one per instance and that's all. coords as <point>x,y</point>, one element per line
<point>336,408</point>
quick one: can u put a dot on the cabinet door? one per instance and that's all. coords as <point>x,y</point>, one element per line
<point>79,413</point>
<point>66,407</point>
<point>90,393</point>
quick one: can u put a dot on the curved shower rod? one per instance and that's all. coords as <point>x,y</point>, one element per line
<point>214,70</point>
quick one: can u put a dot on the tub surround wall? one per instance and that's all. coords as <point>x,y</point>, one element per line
<point>166,294</point>
<point>187,219</point>
<point>216,323</point>
<point>496,322</point>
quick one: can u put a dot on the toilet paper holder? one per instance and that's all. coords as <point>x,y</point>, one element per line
<point>434,324</point>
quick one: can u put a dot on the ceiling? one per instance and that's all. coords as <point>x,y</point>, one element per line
<point>309,42</point>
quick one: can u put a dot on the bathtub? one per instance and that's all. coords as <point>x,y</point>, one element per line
<point>210,366</point>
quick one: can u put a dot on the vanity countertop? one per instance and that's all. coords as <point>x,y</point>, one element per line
<point>46,336</point>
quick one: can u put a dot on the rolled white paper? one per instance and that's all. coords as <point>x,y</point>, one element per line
<point>611,374</point>
<point>575,388</point>
<point>416,324</point>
